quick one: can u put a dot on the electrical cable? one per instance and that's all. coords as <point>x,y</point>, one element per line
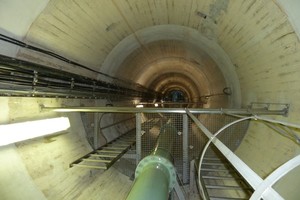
<point>22,76</point>
<point>49,53</point>
<point>27,46</point>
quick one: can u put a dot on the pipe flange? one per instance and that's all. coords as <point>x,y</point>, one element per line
<point>159,163</point>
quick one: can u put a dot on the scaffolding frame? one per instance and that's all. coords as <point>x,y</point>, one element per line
<point>262,188</point>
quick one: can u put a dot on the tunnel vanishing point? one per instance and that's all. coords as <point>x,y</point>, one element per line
<point>87,89</point>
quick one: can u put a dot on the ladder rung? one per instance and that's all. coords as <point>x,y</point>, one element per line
<point>104,156</point>
<point>129,142</point>
<point>109,151</point>
<point>96,160</point>
<point>123,144</point>
<point>213,158</point>
<point>221,177</point>
<point>217,163</point>
<point>227,198</point>
<point>227,187</point>
<point>216,170</point>
<point>119,145</point>
<point>89,166</point>
<point>113,148</point>
<point>125,139</point>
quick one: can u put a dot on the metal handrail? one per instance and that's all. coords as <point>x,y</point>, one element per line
<point>275,176</point>
<point>282,112</point>
<point>292,125</point>
<point>261,187</point>
<point>249,175</point>
<point>288,125</point>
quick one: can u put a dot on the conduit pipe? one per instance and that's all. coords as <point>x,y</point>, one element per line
<point>155,175</point>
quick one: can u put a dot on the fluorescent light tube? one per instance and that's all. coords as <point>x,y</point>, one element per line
<point>11,133</point>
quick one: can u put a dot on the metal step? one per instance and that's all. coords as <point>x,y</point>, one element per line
<point>113,147</point>
<point>104,157</point>
<point>90,166</point>
<point>227,198</point>
<point>215,163</point>
<point>96,160</point>
<point>227,187</point>
<point>109,151</point>
<point>216,170</point>
<point>222,177</point>
<point>214,159</point>
<point>221,181</point>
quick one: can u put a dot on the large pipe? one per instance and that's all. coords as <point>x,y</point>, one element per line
<point>155,175</point>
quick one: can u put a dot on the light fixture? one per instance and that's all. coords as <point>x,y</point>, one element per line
<point>139,106</point>
<point>11,133</point>
<point>156,104</point>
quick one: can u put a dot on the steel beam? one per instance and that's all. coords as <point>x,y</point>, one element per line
<point>138,143</point>
<point>185,149</point>
<point>166,110</point>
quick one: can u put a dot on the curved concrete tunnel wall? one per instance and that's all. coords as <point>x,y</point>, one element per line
<point>253,44</point>
<point>164,49</point>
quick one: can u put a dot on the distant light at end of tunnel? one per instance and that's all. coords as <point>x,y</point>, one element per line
<point>11,133</point>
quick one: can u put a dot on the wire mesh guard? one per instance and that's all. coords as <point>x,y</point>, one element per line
<point>183,152</point>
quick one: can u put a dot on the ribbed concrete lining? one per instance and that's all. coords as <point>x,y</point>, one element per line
<point>166,49</point>
<point>251,45</point>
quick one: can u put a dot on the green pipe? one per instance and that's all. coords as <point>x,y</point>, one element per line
<point>155,175</point>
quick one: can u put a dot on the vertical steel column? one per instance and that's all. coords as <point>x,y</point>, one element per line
<point>185,149</point>
<point>138,143</point>
<point>192,178</point>
<point>96,129</point>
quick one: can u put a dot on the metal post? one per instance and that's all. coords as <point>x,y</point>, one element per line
<point>179,191</point>
<point>138,143</point>
<point>185,150</point>
<point>192,178</point>
<point>96,129</point>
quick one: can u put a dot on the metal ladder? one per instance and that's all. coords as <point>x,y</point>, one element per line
<point>220,180</point>
<point>105,156</point>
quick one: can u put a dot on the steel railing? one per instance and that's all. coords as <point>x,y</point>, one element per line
<point>263,187</point>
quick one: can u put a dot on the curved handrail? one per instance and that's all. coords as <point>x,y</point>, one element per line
<point>274,121</point>
<point>293,137</point>
<point>265,186</point>
<point>275,176</point>
<point>209,142</point>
